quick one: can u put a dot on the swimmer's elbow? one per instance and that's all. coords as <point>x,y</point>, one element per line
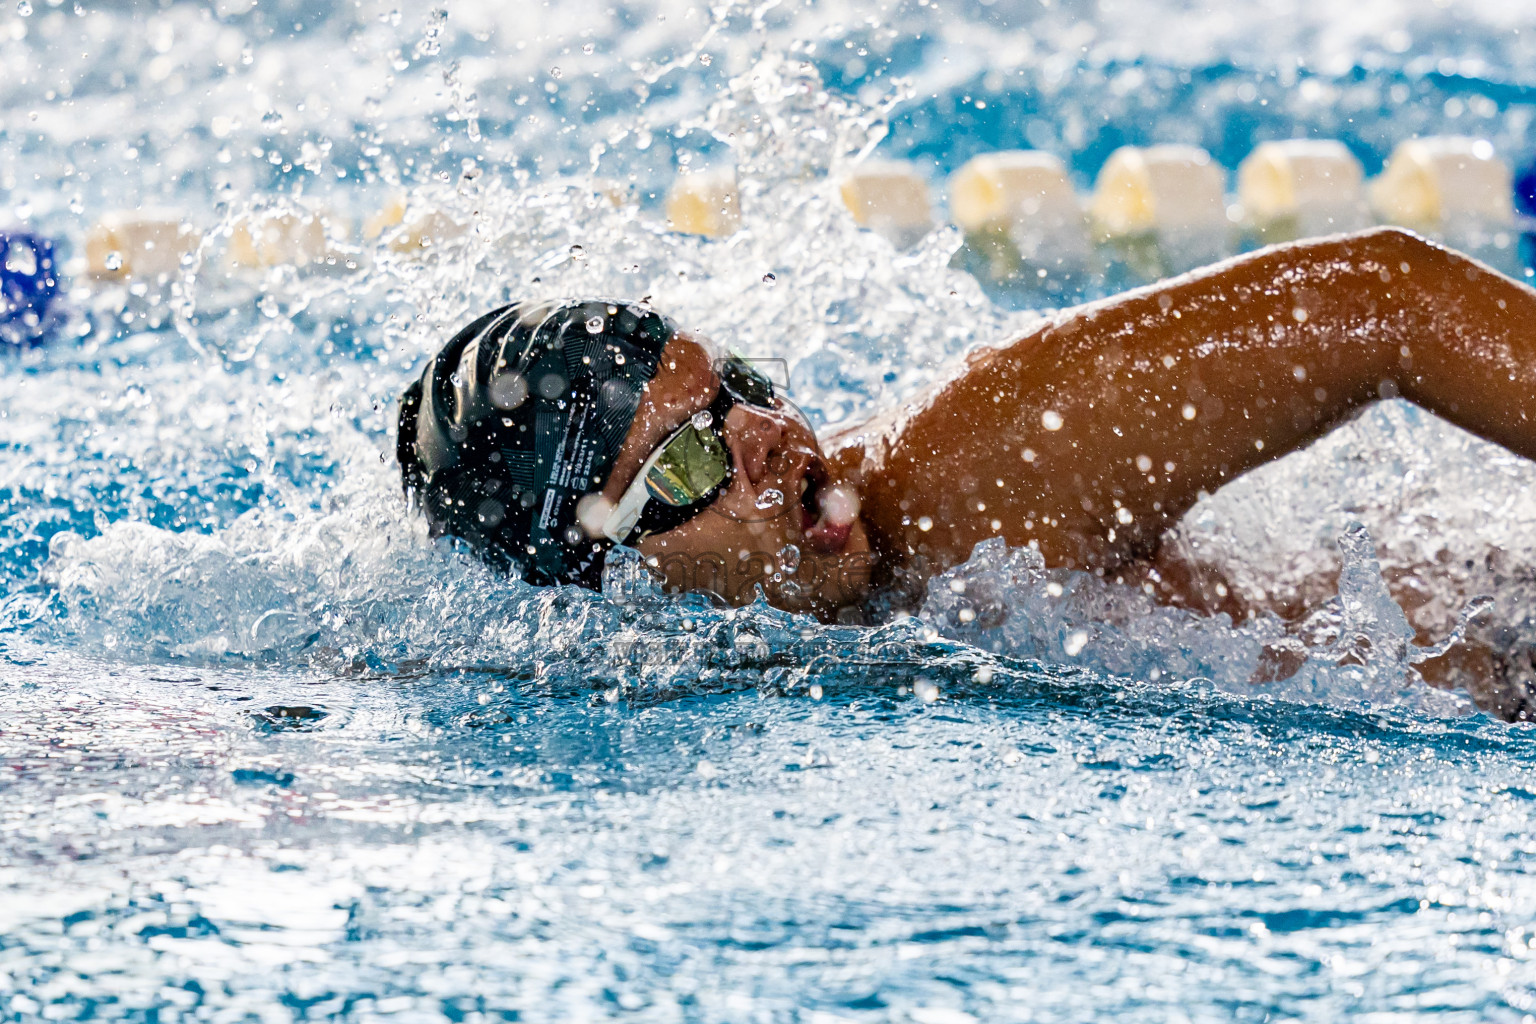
<point>1398,241</point>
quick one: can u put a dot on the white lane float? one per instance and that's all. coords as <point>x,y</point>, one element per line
<point>890,198</point>
<point>263,239</point>
<point>412,230</point>
<point>1016,205</point>
<point>1159,190</point>
<point>139,244</point>
<point>1026,195</point>
<point>1298,187</point>
<point>1433,182</point>
<point>391,214</point>
<point>996,190</point>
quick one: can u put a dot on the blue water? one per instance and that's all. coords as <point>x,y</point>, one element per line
<point>268,752</point>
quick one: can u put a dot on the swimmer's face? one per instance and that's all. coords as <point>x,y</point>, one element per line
<point>807,549</point>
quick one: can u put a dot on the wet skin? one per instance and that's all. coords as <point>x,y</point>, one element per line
<point>1090,437</point>
<point>766,529</point>
<point>1163,393</point>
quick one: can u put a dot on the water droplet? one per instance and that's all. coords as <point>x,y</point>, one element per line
<point>271,119</point>
<point>552,386</point>
<point>1125,517</point>
<point>702,419</point>
<point>1075,642</point>
<point>491,512</point>
<point>595,325</point>
<point>771,498</point>
<point>587,48</point>
<point>20,259</point>
<point>1051,419</point>
<point>770,279</point>
<point>578,253</point>
<point>555,72</point>
<point>925,524</point>
<point>1189,411</point>
<point>789,558</point>
<point>24,8</point>
<point>926,690</point>
<point>114,260</point>
<point>706,59</point>
<point>509,390</point>
<point>431,42</point>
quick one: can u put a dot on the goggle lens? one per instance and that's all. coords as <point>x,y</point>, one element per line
<point>691,466</point>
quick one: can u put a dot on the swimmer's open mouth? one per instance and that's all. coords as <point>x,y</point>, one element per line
<point>810,493</point>
<point>822,534</point>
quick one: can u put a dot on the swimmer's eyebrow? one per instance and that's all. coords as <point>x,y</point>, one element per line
<point>705,396</point>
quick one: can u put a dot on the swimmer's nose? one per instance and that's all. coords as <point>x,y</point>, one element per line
<point>753,438</point>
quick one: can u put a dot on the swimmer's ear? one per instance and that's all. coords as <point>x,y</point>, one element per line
<point>405,440</point>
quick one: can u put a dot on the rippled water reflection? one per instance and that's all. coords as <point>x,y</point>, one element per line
<point>1035,848</point>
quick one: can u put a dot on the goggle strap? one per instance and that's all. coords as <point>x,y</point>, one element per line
<point>721,407</point>
<point>621,521</point>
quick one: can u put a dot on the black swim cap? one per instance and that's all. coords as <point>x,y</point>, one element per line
<point>517,418</point>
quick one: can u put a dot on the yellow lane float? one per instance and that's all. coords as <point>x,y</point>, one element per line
<point>704,203</point>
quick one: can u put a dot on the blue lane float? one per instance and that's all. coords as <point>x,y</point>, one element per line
<point>29,286</point>
<point>1525,205</point>
<point>1525,189</point>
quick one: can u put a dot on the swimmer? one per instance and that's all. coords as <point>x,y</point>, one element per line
<point>544,435</point>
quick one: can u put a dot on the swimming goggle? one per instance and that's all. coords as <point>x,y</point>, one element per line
<point>686,472</point>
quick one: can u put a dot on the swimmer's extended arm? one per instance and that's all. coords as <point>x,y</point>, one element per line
<point>1096,433</point>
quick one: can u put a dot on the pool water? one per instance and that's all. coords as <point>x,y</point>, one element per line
<point>269,752</point>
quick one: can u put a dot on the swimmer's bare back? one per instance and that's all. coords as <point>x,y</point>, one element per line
<point>1091,436</point>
